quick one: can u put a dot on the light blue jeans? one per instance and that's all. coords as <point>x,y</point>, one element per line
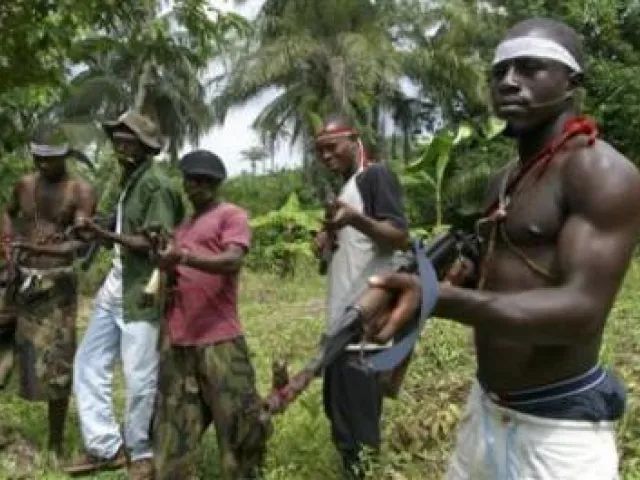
<point>137,345</point>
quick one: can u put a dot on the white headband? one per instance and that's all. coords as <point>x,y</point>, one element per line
<point>535,47</point>
<point>48,150</point>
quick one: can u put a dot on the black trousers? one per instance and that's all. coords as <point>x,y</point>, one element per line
<point>353,405</point>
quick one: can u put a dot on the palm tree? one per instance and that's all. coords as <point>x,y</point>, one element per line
<point>335,55</point>
<point>156,66</point>
<point>255,155</point>
<point>349,56</point>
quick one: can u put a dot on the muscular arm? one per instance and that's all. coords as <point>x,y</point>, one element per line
<point>137,243</point>
<point>226,262</point>
<point>382,232</point>
<point>161,211</point>
<point>594,250</point>
<point>383,220</point>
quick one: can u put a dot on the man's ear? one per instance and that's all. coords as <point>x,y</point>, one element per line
<point>576,79</point>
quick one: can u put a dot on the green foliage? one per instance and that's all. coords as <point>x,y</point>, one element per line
<point>12,168</point>
<point>610,33</point>
<point>264,193</point>
<point>429,175</point>
<point>283,319</point>
<point>282,238</point>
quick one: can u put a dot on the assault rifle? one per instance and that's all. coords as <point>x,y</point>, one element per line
<point>86,258</point>
<point>432,262</point>
<point>330,243</point>
<point>158,238</point>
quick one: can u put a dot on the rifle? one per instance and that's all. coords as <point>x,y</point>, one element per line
<point>93,246</point>
<point>158,238</point>
<point>330,245</point>
<point>432,262</point>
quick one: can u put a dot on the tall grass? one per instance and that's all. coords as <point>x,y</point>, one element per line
<point>284,319</point>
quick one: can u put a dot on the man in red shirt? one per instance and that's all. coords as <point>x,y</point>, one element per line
<point>205,372</point>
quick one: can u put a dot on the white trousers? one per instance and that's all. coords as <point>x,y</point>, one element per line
<point>107,339</point>
<point>495,443</point>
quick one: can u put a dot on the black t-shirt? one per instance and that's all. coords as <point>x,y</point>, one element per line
<point>382,195</point>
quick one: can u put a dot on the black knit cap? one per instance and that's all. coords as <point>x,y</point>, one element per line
<point>205,163</point>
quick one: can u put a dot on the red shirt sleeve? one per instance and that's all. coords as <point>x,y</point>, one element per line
<point>235,229</point>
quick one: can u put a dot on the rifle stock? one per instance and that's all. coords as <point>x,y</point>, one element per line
<point>442,251</point>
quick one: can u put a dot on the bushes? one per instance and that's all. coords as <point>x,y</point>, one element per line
<point>282,238</point>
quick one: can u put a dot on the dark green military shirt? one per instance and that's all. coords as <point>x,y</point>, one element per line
<point>150,201</point>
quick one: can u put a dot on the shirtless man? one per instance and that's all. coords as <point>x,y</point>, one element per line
<point>557,248</point>
<point>43,206</point>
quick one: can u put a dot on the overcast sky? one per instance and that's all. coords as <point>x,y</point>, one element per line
<point>236,133</point>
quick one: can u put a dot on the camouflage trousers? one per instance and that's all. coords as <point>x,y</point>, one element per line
<point>6,355</point>
<point>198,386</point>
<point>7,337</point>
<point>46,337</point>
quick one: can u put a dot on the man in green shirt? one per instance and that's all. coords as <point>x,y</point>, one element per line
<point>121,325</point>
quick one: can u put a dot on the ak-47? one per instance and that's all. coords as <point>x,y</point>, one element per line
<point>89,253</point>
<point>441,254</point>
<point>11,278</point>
<point>330,243</point>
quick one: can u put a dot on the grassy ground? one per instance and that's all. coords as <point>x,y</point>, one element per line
<point>283,319</point>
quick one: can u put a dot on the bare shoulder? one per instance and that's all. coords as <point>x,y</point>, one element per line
<point>26,181</point>
<point>83,196</point>
<point>493,183</point>
<point>603,183</point>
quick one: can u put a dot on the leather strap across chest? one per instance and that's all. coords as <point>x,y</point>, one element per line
<point>496,213</point>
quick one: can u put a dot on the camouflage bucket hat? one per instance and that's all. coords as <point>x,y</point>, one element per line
<point>143,127</point>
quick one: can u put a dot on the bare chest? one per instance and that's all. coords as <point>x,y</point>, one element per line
<point>534,210</point>
<point>48,203</point>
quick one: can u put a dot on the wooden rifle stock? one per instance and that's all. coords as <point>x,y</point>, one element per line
<point>443,251</point>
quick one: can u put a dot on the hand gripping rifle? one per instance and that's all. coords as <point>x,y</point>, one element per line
<point>158,238</point>
<point>431,263</point>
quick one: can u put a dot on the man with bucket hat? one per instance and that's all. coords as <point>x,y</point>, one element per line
<point>40,284</point>
<point>121,326</point>
<point>205,370</point>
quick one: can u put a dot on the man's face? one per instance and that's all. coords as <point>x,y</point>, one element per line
<point>51,168</point>
<point>337,154</point>
<point>519,84</point>
<point>200,189</point>
<point>128,148</point>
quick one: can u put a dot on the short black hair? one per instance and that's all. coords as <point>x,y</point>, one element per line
<point>552,29</point>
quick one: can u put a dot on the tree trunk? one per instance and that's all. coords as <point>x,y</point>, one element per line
<point>394,145</point>
<point>338,82</point>
<point>143,82</point>
<point>147,68</point>
<point>406,147</point>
